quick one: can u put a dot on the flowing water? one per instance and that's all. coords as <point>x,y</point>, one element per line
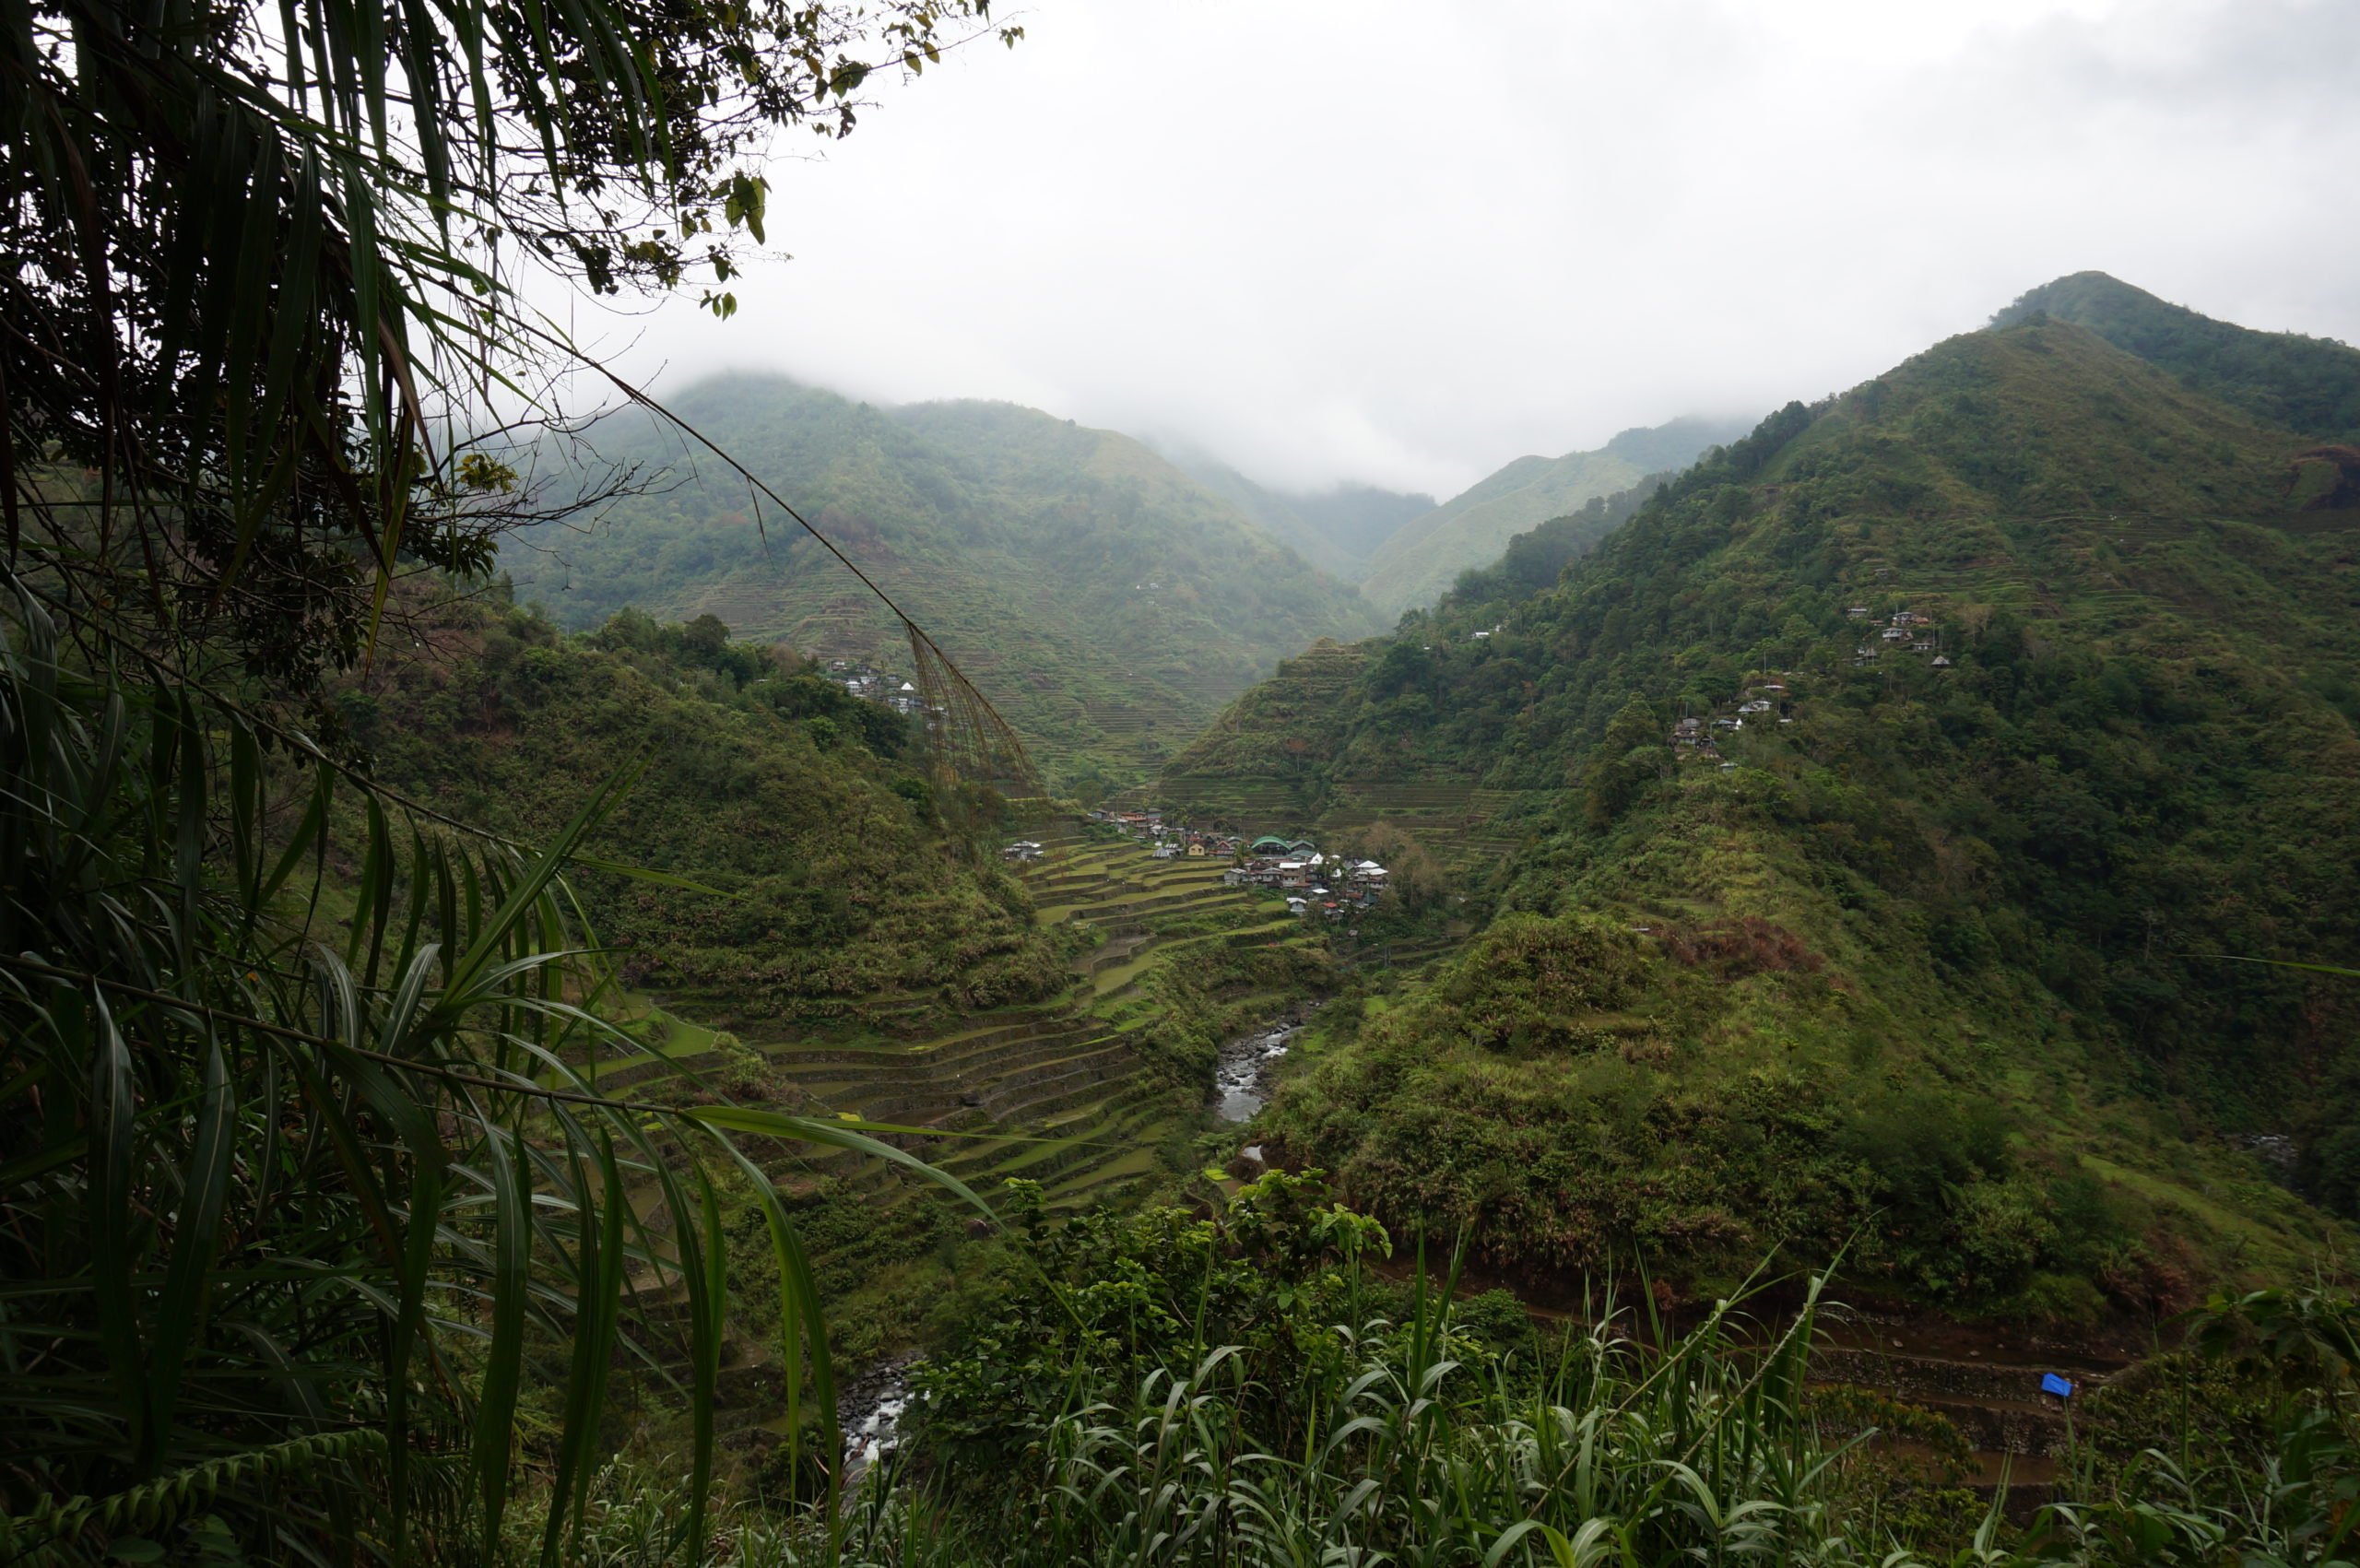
<point>1240,1085</point>
<point>869,1413</point>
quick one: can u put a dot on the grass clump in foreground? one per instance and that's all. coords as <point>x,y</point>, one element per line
<point>1162,1387</point>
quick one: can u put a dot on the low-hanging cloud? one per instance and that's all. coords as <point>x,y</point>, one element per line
<point>1403,243</point>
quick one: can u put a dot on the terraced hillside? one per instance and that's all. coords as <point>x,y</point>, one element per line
<point>1079,1092</point>
<point>1985,1381</point>
<point>1094,1094</point>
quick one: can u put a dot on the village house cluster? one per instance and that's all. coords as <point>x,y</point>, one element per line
<point>1760,703</point>
<point>1695,735</point>
<point>1332,886</point>
<point>1169,841</point>
<point>1908,629</point>
<point>874,686</point>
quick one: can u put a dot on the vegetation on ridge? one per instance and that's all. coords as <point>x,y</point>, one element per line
<point>1107,603</point>
<point>1918,967</point>
<point>811,809</point>
<point>2311,384</point>
<point>1418,562</point>
<point>305,1189</point>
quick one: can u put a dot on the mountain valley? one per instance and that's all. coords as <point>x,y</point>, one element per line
<point>743,977</point>
<point>1878,818</point>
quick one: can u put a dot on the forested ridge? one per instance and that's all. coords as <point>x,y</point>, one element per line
<point>1931,962</point>
<point>1416,563</point>
<point>2310,384</point>
<point>1105,601</point>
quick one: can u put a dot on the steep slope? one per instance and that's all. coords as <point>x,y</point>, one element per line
<point>1056,1021</point>
<point>1107,603</point>
<point>1912,963</point>
<point>1420,560</point>
<point>805,806</point>
<point>1535,559</point>
<point>2311,384</point>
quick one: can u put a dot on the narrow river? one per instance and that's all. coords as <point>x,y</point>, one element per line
<point>1240,1081</point>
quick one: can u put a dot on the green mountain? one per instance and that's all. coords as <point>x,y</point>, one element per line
<point>1918,963</point>
<point>1335,530</point>
<point>2311,384</point>
<point>1104,601</point>
<point>1422,558</point>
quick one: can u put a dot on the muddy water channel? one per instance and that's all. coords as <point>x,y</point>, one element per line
<point>1240,1080</point>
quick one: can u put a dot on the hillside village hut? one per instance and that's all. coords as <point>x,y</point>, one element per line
<point>1268,843</point>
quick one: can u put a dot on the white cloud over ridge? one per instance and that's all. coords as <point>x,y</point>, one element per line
<point>1403,243</point>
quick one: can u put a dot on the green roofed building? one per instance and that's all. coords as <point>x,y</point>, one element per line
<point>1268,844</point>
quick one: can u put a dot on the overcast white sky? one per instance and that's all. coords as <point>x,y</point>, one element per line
<point>1404,243</point>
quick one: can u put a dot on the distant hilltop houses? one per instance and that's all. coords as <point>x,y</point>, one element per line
<point>1332,886</point>
<point>1760,702</point>
<point>875,686</point>
<point>1905,628</point>
<point>1763,702</point>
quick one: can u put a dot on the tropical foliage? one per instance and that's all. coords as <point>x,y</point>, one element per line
<point>258,260</point>
<point>1281,1383</point>
<point>304,1181</point>
<point>306,1167</point>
